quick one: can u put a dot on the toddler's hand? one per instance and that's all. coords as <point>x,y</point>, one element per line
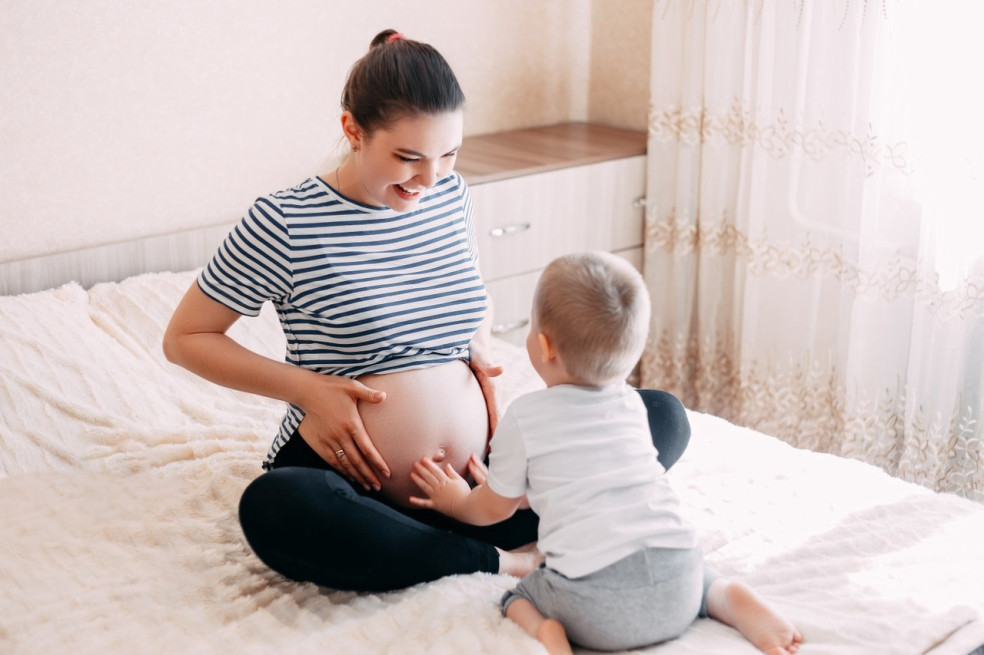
<point>443,487</point>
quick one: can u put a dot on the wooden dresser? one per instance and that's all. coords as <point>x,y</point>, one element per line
<point>542,192</point>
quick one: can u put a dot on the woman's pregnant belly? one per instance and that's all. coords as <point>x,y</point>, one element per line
<point>437,412</point>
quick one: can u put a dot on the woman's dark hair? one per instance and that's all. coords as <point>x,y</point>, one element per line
<point>396,78</point>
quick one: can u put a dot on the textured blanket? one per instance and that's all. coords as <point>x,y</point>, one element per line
<point>120,475</point>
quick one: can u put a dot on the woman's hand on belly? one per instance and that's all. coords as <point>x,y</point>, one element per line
<point>333,427</point>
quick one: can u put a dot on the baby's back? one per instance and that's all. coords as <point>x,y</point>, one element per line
<point>593,477</point>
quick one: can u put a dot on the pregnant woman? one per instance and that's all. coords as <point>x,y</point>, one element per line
<point>372,268</point>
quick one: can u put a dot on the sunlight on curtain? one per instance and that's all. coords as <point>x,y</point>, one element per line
<point>946,101</point>
<point>815,226</point>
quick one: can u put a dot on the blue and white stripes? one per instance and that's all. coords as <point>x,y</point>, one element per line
<point>358,289</point>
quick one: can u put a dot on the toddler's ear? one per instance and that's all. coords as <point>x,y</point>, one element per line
<point>547,351</point>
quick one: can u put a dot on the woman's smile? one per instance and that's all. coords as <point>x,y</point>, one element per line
<point>406,193</point>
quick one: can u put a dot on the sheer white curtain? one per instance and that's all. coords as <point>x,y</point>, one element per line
<point>815,226</point>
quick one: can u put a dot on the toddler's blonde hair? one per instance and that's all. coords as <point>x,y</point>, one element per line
<point>595,308</point>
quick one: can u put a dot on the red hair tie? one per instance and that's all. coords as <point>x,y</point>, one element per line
<point>395,36</point>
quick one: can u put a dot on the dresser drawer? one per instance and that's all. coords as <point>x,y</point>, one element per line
<point>512,298</point>
<point>524,222</point>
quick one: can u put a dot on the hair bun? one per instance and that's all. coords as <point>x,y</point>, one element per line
<point>386,36</point>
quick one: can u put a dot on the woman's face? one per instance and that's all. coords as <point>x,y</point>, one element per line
<point>394,165</point>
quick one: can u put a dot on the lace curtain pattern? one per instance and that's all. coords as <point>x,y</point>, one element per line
<point>793,242</point>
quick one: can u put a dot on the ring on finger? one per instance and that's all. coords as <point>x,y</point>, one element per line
<point>339,453</point>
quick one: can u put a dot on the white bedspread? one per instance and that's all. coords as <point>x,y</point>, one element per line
<point>120,475</point>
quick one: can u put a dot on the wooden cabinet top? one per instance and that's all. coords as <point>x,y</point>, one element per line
<point>501,155</point>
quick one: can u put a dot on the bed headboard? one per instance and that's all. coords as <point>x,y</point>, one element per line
<point>180,251</point>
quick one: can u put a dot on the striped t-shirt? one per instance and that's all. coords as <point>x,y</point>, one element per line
<point>358,289</point>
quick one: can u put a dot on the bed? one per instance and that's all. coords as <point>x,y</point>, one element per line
<point>120,475</point>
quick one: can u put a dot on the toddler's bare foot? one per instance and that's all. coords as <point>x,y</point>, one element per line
<point>736,604</point>
<point>520,561</point>
<point>553,637</point>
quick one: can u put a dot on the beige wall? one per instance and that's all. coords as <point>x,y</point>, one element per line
<point>618,91</point>
<point>122,120</point>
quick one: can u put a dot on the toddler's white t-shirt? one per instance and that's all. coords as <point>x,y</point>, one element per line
<point>585,458</point>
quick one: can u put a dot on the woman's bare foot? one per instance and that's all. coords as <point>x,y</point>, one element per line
<point>737,605</point>
<point>520,561</point>
<point>553,637</point>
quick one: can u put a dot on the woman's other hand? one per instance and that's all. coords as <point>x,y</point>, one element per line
<point>484,370</point>
<point>477,470</point>
<point>333,428</point>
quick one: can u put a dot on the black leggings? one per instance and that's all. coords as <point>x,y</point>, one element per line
<point>307,522</point>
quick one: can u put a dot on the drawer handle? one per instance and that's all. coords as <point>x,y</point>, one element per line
<point>501,328</point>
<point>509,229</point>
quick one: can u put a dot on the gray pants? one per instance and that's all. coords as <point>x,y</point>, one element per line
<point>645,598</point>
